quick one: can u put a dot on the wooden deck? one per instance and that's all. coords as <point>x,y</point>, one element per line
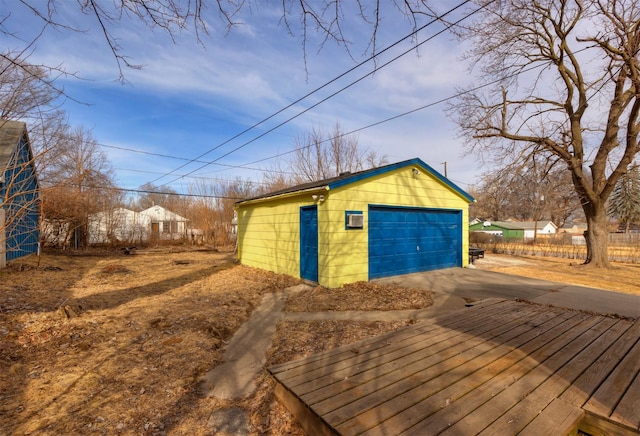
<point>501,367</point>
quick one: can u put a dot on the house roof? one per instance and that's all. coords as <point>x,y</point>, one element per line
<point>348,178</point>
<point>160,213</point>
<point>10,134</point>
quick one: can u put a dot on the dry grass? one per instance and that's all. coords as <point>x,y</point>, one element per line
<point>116,344</point>
<point>359,296</point>
<point>622,277</point>
<point>142,330</point>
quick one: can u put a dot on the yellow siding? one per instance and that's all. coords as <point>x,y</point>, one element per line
<point>343,254</point>
<point>272,242</point>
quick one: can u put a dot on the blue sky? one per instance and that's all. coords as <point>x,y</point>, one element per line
<point>191,97</point>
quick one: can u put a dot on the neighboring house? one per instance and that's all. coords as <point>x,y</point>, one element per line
<point>19,194</point>
<point>164,224</point>
<point>474,221</point>
<point>128,226</point>
<point>515,230</point>
<point>574,228</point>
<point>386,221</point>
<point>117,225</point>
<point>628,228</point>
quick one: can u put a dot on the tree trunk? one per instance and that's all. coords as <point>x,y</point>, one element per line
<point>597,236</point>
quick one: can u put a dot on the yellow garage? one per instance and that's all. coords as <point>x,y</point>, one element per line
<point>391,220</point>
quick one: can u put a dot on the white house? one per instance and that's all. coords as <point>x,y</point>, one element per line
<point>117,225</point>
<point>540,227</point>
<point>164,224</point>
<point>125,225</point>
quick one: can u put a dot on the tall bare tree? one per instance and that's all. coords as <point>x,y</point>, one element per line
<point>528,194</point>
<point>77,182</point>
<point>211,207</point>
<point>319,155</point>
<point>569,90</point>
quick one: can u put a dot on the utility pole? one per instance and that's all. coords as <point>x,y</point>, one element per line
<point>445,168</point>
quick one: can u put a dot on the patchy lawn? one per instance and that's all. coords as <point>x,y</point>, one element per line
<point>100,342</point>
<point>358,296</point>
<point>107,343</point>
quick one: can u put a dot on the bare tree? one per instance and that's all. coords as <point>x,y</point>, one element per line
<point>320,156</point>
<point>525,193</point>
<point>151,195</point>
<point>77,182</point>
<point>211,208</point>
<point>305,19</point>
<point>568,91</point>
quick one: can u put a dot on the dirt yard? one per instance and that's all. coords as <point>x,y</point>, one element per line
<point>115,344</point>
<point>105,343</point>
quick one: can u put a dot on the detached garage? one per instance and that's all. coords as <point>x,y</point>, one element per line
<point>396,219</point>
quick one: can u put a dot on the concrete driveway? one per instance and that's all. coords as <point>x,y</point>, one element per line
<point>478,284</point>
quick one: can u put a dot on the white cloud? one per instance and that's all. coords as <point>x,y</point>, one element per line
<point>249,74</point>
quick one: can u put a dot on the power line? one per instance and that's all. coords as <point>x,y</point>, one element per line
<point>368,126</point>
<point>415,32</point>
<point>377,123</point>
<point>194,177</point>
<point>146,191</point>
<point>345,87</point>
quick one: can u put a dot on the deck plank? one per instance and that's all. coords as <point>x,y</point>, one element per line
<point>628,410</point>
<point>417,339</point>
<point>559,418</point>
<point>443,419</point>
<point>476,313</point>
<point>369,395</point>
<point>502,367</point>
<point>584,387</point>
<point>417,360</point>
<point>620,390</point>
<point>517,418</point>
<point>498,404</point>
<point>453,382</point>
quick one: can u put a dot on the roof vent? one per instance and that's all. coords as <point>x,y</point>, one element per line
<point>345,173</point>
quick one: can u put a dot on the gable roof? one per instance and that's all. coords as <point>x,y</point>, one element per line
<point>10,134</point>
<point>348,178</point>
<point>160,213</point>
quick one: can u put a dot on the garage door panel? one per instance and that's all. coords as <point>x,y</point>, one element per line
<point>406,240</point>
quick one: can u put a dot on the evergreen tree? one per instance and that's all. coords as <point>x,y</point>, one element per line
<point>624,203</point>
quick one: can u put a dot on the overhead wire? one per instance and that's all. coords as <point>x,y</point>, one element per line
<point>245,166</point>
<point>368,126</point>
<point>343,88</point>
<point>372,57</point>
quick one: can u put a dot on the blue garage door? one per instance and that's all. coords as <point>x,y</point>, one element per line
<point>407,240</point>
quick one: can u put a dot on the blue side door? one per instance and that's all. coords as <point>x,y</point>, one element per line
<point>309,243</point>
